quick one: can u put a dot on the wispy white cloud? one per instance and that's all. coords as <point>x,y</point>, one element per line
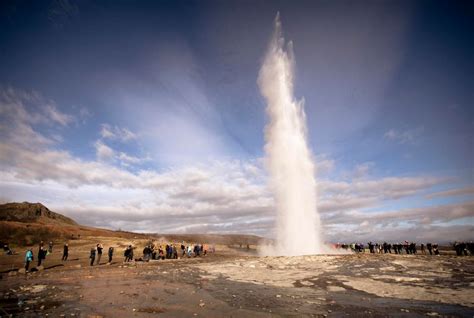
<point>362,170</point>
<point>324,164</point>
<point>116,133</point>
<point>452,192</point>
<point>56,116</point>
<point>103,152</point>
<point>404,137</point>
<point>18,117</point>
<point>84,114</point>
<point>106,152</point>
<point>126,159</point>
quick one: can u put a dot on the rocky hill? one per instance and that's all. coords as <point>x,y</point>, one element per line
<point>31,212</point>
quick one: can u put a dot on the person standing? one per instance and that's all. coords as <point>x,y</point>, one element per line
<point>111,253</point>
<point>41,254</point>
<point>65,252</point>
<point>435,249</point>
<point>7,249</point>
<point>430,248</point>
<point>92,256</point>
<point>190,251</point>
<point>126,254</point>
<point>28,258</point>
<point>99,252</point>
<point>161,254</point>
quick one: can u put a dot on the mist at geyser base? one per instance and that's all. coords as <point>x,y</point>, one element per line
<point>288,158</point>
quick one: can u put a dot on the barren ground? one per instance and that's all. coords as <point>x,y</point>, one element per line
<point>235,282</point>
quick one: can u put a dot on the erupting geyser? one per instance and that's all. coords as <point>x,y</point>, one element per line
<point>288,157</point>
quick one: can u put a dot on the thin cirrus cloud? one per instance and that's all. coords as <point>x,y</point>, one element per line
<point>410,136</point>
<point>117,133</point>
<point>467,191</point>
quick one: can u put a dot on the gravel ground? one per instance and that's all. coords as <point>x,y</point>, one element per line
<point>235,283</point>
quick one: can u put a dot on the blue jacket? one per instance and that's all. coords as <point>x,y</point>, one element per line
<point>29,256</point>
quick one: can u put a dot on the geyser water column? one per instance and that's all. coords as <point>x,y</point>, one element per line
<point>288,157</point>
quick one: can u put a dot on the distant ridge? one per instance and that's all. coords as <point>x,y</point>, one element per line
<point>31,212</point>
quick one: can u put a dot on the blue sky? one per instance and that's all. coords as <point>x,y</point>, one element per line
<point>123,114</point>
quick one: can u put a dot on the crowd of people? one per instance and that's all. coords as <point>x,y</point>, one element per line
<point>42,253</point>
<point>151,252</point>
<point>172,251</point>
<point>461,248</point>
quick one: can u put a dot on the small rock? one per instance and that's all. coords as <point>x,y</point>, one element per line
<point>278,296</point>
<point>22,271</point>
<point>433,313</point>
<point>134,309</point>
<point>12,273</point>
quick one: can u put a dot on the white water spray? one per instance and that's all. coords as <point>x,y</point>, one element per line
<point>288,157</point>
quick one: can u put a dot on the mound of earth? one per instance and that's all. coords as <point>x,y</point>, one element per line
<point>31,212</point>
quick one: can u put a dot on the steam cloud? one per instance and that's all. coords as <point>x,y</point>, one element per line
<point>288,157</point>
